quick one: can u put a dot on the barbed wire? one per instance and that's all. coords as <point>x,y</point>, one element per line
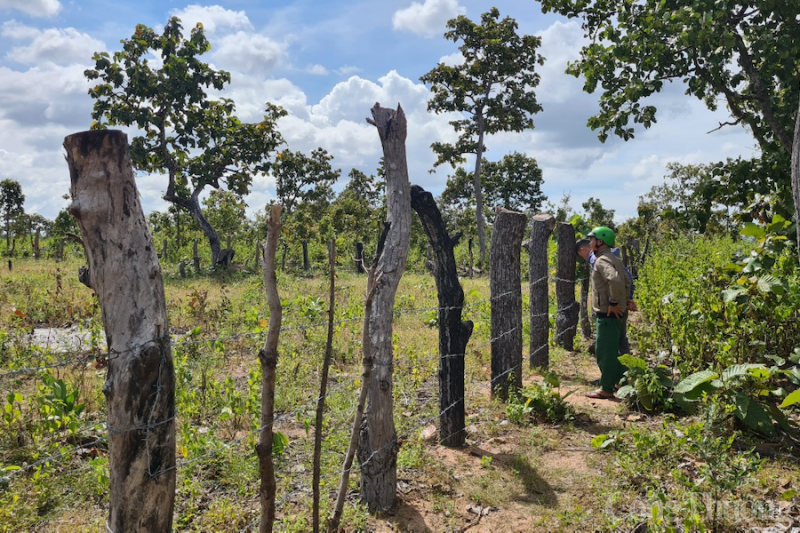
<point>83,357</point>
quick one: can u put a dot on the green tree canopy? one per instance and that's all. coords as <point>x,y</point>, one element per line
<point>12,203</point>
<point>196,140</point>
<point>492,89</point>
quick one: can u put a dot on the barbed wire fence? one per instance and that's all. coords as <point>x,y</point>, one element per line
<point>87,435</point>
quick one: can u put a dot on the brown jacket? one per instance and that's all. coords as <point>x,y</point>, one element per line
<point>610,283</point>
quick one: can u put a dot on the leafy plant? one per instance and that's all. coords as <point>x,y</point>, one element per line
<point>539,401</point>
<point>647,388</point>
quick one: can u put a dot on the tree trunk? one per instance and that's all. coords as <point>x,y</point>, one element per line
<point>306,263</point>
<point>506,294</point>
<point>140,384</point>
<point>268,357</point>
<point>586,324</point>
<point>540,306</point>
<point>377,451</point>
<point>192,205</point>
<point>567,314</point>
<point>454,333</point>
<point>795,177</point>
<point>359,258</point>
<point>478,189</point>
<point>36,249</point>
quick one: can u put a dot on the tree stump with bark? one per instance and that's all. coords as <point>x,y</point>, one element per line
<point>140,383</point>
<point>506,296</point>
<point>567,314</point>
<point>539,290</point>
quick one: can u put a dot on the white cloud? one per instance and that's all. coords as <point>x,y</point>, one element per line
<point>34,8</point>
<point>53,45</point>
<point>347,70</point>
<point>561,43</point>
<point>317,70</point>
<point>213,18</point>
<point>247,52</point>
<point>428,19</point>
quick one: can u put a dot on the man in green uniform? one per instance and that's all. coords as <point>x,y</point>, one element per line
<point>610,290</point>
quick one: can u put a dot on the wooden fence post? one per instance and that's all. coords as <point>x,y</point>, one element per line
<point>378,445</point>
<point>506,295</point>
<point>140,384</point>
<point>538,276</point>
<point>359,266</point>
<point>567,313</point>
<point>453,333</point>
<point>586,324</point>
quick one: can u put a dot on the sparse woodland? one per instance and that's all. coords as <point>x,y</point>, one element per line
<point>364,356</point>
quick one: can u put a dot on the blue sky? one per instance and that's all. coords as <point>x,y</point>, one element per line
<point>327,62</point>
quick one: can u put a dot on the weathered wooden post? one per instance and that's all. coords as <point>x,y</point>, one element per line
<point>140,384</point>
<point>453,333</point>
<point>538,276</point>
<point>506,294</point>
<point>567,313</point>
<point>378,446</point>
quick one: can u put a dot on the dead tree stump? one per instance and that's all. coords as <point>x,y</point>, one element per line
<point>586,323</point>
<point>140,384</point>
<point>567,314</point>
<point>378,445</point>
<point>454,333</point>
<point>506,294</point>
<point>539,294</point>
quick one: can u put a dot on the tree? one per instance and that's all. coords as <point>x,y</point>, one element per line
<point>197,141</point>
<point>597,215</point>
<point>513,183</point>
<point>743,52</point>
<point>11,206</point>
<point>352,213</point>
<point>492,88</point>
<point>304,188</point>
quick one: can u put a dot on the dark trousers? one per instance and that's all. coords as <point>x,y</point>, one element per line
<point>607,348</point>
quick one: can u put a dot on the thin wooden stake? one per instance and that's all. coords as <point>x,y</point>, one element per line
<point>323,388</point>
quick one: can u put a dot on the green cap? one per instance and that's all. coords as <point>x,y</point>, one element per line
<point>604,234</point>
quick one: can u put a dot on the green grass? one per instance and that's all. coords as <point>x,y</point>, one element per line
<point>220,321</point>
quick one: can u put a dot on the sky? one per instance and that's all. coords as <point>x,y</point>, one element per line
<point>327,62</point>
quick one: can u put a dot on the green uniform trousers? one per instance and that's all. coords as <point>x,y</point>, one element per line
<point>609,333</point>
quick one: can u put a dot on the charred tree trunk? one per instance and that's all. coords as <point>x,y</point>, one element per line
<point>359,258</point>
<point>540,306</point>
<point>140,384</point>
<point>506,294</point>
<point>378,447</point>
<point>567,314</point>
<point>268,357</point>
<point>454,333</point>
<point>586,324</point>
<point>306,263</point>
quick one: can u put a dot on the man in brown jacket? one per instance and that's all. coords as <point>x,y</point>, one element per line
<point>610,290</point>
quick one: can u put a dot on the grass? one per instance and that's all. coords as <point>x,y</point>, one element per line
<point>540,477</point>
